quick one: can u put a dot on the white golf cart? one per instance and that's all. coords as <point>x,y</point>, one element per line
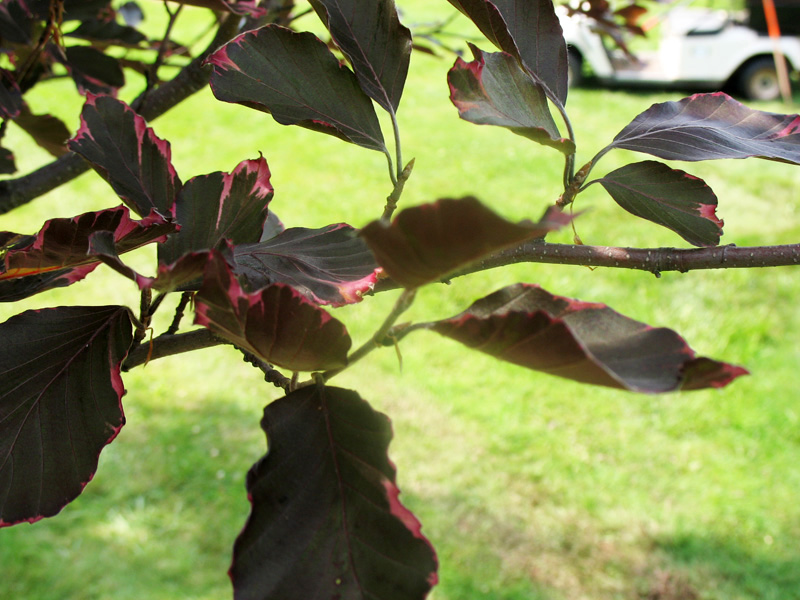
<point>700,49</point>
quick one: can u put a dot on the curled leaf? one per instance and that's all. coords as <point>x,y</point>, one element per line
<point>585,342</point>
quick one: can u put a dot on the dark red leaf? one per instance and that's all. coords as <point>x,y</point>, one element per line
<point>527,29</point>
<point>108,31</point>
<point>711,126</point>
<point>294,77</point>
<point>672,198</point>
<point>582,341</point>
<point>60,253</point>
<point>220,206</point>
<point>16,22</point>
<point>7,164</point>
<point>426,243</point>
<point>480,91</point>
<point>376,43</point>
<point>331,265</point>
<point>60,404</point>
<point>127,154</point>
<point>326,521</point>
<point>47,131</point>
<point>277,324</point>
<point>239,7</point>
<point>94,71</point>
<point>10,95</point>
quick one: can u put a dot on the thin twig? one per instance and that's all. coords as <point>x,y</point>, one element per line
<point>186,298</point>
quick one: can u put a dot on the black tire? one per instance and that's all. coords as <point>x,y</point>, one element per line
<point>758,80</point>
<point>575,68</point>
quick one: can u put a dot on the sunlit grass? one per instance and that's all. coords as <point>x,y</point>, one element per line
<point>530,487</point>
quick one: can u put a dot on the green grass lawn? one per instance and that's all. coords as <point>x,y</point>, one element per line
<point>529,487</point>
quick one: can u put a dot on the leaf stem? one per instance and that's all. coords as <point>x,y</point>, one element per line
<point>394,197</point>
<point>404,302</point>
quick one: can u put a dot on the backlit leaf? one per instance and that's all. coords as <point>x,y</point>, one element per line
<point>494,89</point>
<point>277,324</point>
<point>60,404</point>
<point>60,253</point>
<point>527,29</point>
<point>376,43</point>
<point>653,191</point>
<point>128,154</point>
<point>294,77</point>
<point>325,502</point>
<point>711,126</point>
<point>46,130</point>
<point>585,342</point>
<point>331,265</point>
<point>426,243</point>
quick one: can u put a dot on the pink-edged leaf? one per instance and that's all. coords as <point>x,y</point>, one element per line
<point>60,253</point>
<point>47,131</point>
<point>220,206</point>
<point>711,126</point>
<point>376,43</point>
<point>238,7</point>
<point>277,323</point>
<point>60,404</point>
<point>94,71</point>
<point>331,265</point>
<point>326,521</point>
<point>297,79</point>
<point>527,29</point>
<point>11,101</point>
<point>128,154</point>
<point>585,342</point>
<point>670,197</point>
<point>494,89</point>
<point>426,243</point>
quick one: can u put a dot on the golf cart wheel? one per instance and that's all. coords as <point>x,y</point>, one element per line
<point>575,68</point>
<point>759,80</point>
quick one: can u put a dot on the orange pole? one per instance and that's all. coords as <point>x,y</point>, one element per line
<point>774,30</point>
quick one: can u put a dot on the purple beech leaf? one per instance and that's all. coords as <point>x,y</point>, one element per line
<point>60,253</point>
<point>47,131</point>
<point>426,243</point>
<point>711,126</point>
<point>16,22</point>
<point>94,71</point>
<point>586,342</point>
<point>220,206</point>
<point>294,77</point>
<point>331,265</point>
<point>528,30</point>
<point>326,521</point>
<point>7,164</point>
<point>60,404</point>
<point>272,227</point>
<point>238,7</point>
<point>78,10</point>
<point>11,101</point>
<point>276,323</point>
<point>183,275</point>
<point>108,31</point>
<point>672,198</point>
<point>494,89</point>
<point>127,154</point>
<point>376,43</point>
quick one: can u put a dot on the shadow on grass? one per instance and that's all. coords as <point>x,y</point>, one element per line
<point>731,571</point>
